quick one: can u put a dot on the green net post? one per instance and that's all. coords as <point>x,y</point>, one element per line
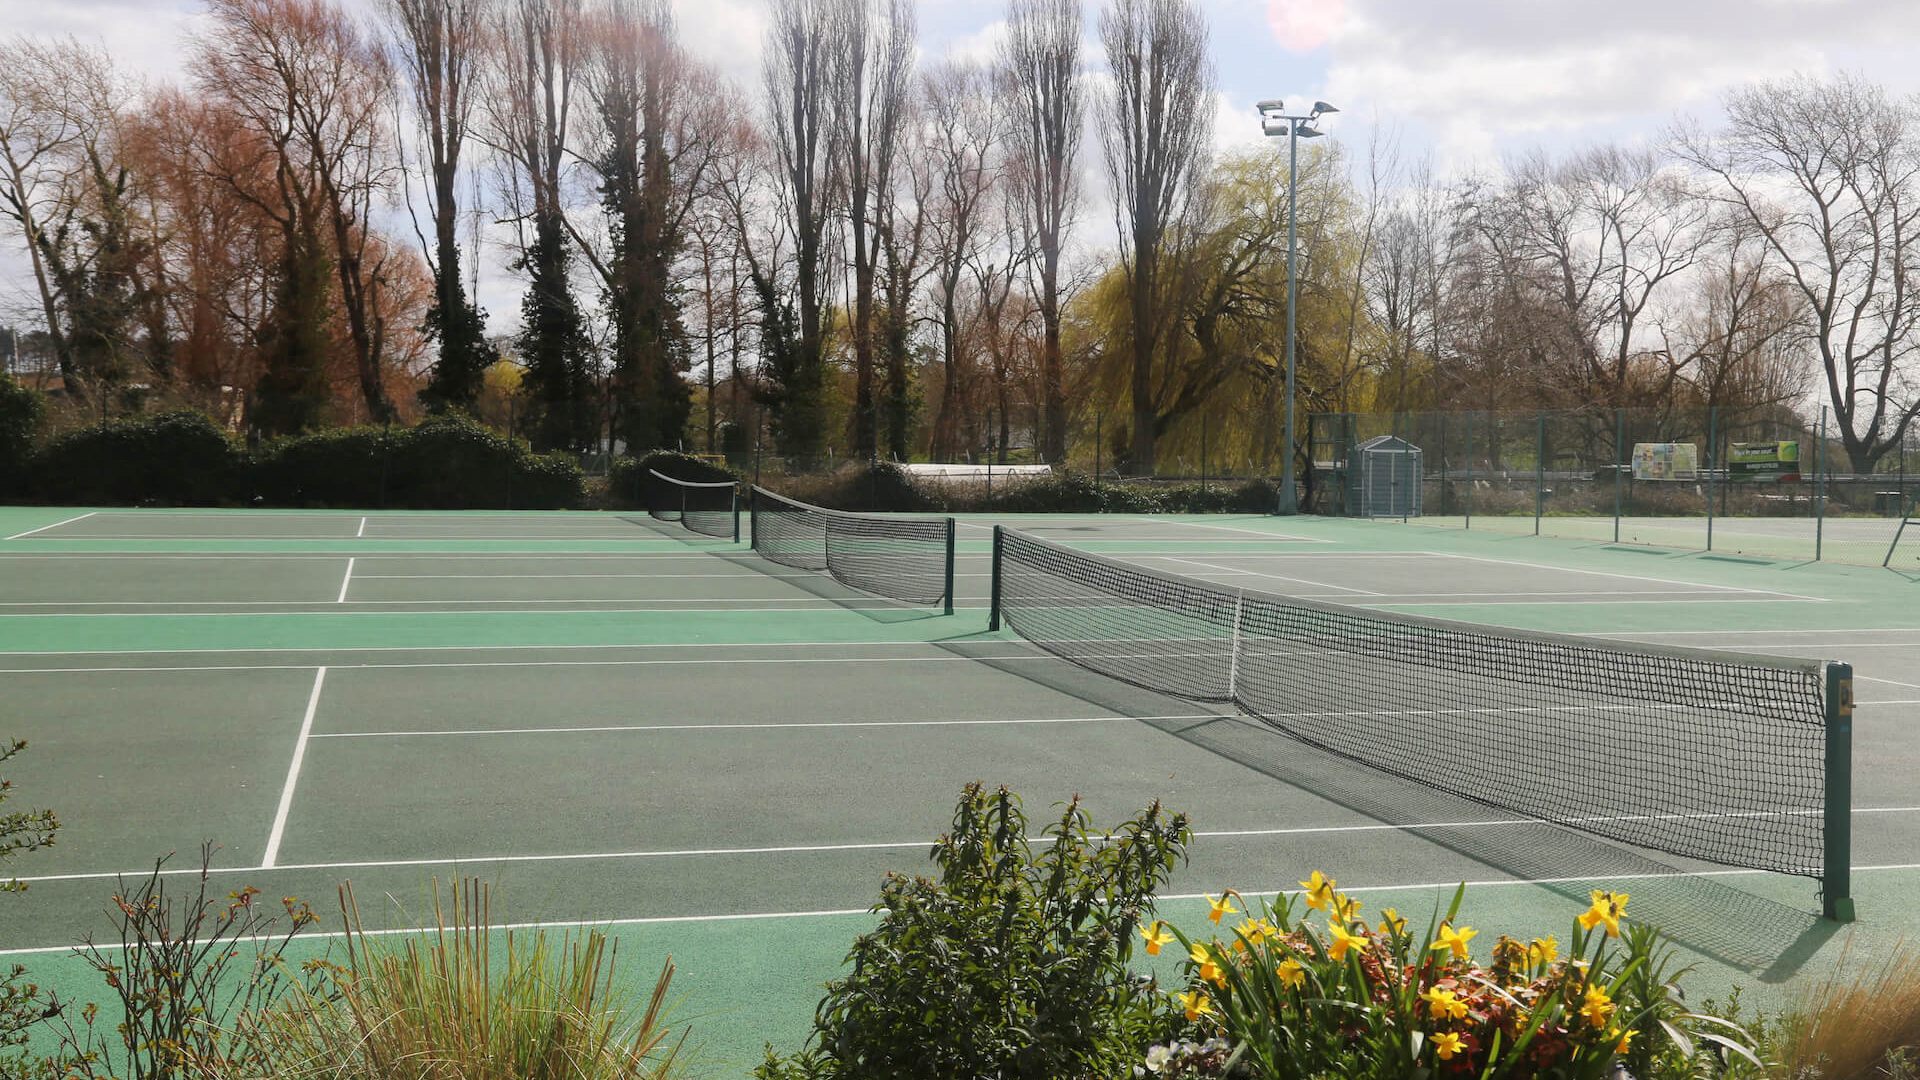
<point>1820,485</point>
<point>1713,417</point>
<point>993,612</point>
<point>753,515</point>
<point>1836,894</point>
<point>950,531</point>
<point>736,513</point>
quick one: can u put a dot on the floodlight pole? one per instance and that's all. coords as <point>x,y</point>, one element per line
<point>1296,126</point>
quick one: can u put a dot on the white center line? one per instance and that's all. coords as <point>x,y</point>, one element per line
<point>344,582</point>
<point>272,854</point>
<point>55,525</point>
<point>363,529</point>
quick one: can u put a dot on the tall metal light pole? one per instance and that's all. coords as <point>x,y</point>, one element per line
<point>1274,121</point>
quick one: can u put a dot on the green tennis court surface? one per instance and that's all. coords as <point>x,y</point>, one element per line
<point>621,723</point>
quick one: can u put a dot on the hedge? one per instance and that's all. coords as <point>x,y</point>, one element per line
<point>885,487</point>
<point>22,410</point>
<point>627,477</point>
<point>182,458</point>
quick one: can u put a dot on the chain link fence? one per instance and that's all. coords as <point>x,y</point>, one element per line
<point>1705,479</point>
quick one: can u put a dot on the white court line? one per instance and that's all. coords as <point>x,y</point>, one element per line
<point>293,773</point>
<point>1250,891</point>
<point>763,726</point>
<point>497,648</point>
<point>1256,573</point>
<point>363,529</point>
<point>344,583</point>
<point>1734,633</point>
<point>612,537</point>
<point>821,604</point>
<point>1628,577</point>
<point>814,849</point>
<point>1781,598</point>
<point>55,525</point>
<point>541,663</point>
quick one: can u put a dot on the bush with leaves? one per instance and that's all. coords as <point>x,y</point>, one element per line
<point>22,411</point>
<point>627,477</point>
<point>21,1006</point>
<point>176,458</point>
<point>1011,964</point>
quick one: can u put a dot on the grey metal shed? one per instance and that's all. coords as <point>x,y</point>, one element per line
<point>1383,478</point>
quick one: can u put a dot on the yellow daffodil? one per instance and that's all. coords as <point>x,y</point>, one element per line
<point>1608,907</point>
<point>1291,973</point>
<point>1343,939</point>
<point>1447,1044</point>
<point>1343,908</point>
<point>1319,891</point>
<point>1543,951</point>
<point>1626,1038</point>
<point>1455,940</point>
<point>1444,1004</point>
<point>1391,923</point>
<point>1156,935</point>
<point>1254,930</point>
<point>1597,1007</point>
<point>1202,956</point>
<point>1222,906</point>
<point>1194,1004</point>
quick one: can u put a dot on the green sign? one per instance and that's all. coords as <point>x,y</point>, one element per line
<point>1763,461</point>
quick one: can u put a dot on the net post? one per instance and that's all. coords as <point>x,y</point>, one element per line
<point>993,612</point>
<point>753,514</point>
<point>736,513</point>
<point>1836,893</point>
<point>950,531</point>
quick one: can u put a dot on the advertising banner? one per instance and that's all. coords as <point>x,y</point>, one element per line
<point>1665,461</point>
<point>1777,461</point>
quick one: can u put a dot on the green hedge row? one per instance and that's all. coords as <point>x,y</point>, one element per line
<point>182,458</point>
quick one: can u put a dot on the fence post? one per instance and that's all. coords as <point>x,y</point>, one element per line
<point>1820,485</point>
<point>1468,524</point>
<point>1203,457</point>
<point>1713,431</point>
<point>1096,451</point>
<point>1539,470</point>
<point>1621,461</point>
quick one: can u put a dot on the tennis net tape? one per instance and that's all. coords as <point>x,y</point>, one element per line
<point>905,558</point>
<point>707,508</point>
<point>1717,756</point>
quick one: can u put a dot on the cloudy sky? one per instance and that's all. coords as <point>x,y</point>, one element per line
<point>1466,81</point>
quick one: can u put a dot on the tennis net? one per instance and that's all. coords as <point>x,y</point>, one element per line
<point>1735,759</point>
<point>905,558</point>
<point>706,508</point>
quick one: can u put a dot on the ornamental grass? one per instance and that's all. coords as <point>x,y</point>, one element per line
<point>463,1000</point>
<point>1860,1023</point>
<point>1342,996</point>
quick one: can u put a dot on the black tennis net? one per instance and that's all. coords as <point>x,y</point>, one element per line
<point>1735,759</point>
<point>709,509</point>
<point>905,558</point>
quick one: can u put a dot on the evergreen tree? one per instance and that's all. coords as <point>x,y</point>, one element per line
<point>553,345</point>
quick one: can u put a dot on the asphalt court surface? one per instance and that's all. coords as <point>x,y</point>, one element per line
<point>617,721</point>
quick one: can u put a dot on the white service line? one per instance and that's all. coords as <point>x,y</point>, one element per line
<point>363,529</point>
<point>55,525</point>
<point>765,726</point>
<point>344,583</point>
<point>1258,573</point>
<point>279,829</point>
<point>1628,577</point>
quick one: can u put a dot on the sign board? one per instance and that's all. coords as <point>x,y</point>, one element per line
<point>1778,461</point>
<point>1665,461</point>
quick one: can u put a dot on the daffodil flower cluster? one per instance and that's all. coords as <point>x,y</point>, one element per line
<point>1297,995</point>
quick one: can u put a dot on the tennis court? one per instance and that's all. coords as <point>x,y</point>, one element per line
<point>618,721</point>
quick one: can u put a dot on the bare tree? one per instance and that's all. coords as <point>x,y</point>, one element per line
<point>439,44</point>
<point>1040,70</point>
<point>872,76</point>
<point>39,123</point>
<point>1155,134</point>
<point>963,129</point>
<point>1829,174</point>
<point>536,48</point>
<point>803,44</point>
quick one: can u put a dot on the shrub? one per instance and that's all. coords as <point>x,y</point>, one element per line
<point>627,477</point>
<point>444,1003</point>
<point>1856,1024</point>
<point>339,467</point>
<point>22,411</point>
<point>1296,1001</point>
<point>178,458</point>
<point>1013,964</point>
